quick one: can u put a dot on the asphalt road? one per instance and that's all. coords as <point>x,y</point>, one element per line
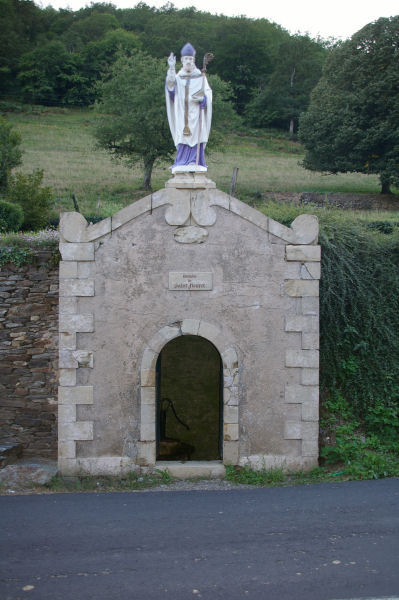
<point>318,542</point>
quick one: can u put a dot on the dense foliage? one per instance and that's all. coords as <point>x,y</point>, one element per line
<point>284,95</point>
<point>11,216</point>
<point>359,340</point>
<point>359,308</point>
<point>35,199</point>
<point>10,152</point>
<point>56,57</point>
<point>353,119</point>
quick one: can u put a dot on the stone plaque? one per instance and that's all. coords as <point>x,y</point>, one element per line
<point>190,280</point>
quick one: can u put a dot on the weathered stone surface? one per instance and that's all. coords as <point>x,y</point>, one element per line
<point>93,232</point>
<point>68,269</point>
<point>25,473</point>
<point>303,254</point>
<point>310,376</point>
<point>302,323</point>
<point>77,287</point>
<point>265,338</point>
<point>310,341</point>
<point>190,234</point>
<point>201,211</point>
<point>311,271</point>
<point>306,229</point>
<point>84,251</point>
<point>79,394</point>
<point>131,212</point>
<point>76,323</point>
<point>81,430</point>
<point>302,358</point>
<point>73,227</point>
<point>301,287</point>
<point>9,453</point>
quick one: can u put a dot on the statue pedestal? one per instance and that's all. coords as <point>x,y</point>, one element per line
<point>190,180</point>
<point>189,169</point>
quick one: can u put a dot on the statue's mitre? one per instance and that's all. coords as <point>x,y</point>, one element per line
<point>187,50</point>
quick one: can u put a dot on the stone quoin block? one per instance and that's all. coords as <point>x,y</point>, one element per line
<point>67,414</point>
<point>301,287</point>
<point>310,306</point>
<point>67,376</point>
<point>310,341</point>
<point>77,287</point>
<point>231,453</point>
<point>67,341</point>
<point>76,323</point>
<point>72,251</point>
<point>79,394</point>
<point>312,270</point>
<point>302,358</point>
<point>310,377</point>
<point>82,430</point>
<point>310,448</point>
<point>300,394</point>
<point>292,430</point>
<point>68,306</point>
<point>67,449</point>
<point>302,323</point>
<point>303,254</point>
<point>68,269</point>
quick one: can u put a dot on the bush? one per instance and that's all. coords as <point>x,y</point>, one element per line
<point>11,216</point>
<point>10,152</point>
<point>35,200</point>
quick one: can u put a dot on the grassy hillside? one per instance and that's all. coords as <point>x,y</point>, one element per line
<point>60,141</point>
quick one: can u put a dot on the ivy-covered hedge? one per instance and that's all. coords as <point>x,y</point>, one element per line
<point>359,306</point>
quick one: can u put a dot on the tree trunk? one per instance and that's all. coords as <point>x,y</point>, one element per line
<point>385,185</point>
<point>148,164</point>
<point>291,128</point>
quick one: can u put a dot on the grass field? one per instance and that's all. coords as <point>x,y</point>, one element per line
<point>61,142</point>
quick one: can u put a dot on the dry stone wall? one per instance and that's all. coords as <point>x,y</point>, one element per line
<point>29,355</point>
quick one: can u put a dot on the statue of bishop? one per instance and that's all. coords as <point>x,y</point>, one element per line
<point>189,108</point>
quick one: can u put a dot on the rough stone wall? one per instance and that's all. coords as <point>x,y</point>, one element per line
<point>29,355</point>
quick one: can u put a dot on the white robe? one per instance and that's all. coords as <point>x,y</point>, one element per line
<point>199,126</point>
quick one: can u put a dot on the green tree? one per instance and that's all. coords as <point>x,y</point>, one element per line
<point>133,124</point>
<point>10,152</point>
<point>97,57</point>
<point>352,123</point>
<point>286,93</point>
<point>34,199</point>
<point>48,74</point>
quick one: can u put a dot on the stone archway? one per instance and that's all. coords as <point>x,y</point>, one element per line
<point>147,443</point>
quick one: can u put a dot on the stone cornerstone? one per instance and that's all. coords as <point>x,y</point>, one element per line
<point>188,260</point>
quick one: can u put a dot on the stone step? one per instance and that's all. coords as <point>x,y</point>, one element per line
<point>9,453</point>
<point>207,469</point>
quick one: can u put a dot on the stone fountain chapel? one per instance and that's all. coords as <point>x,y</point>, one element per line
<point>189,336</point>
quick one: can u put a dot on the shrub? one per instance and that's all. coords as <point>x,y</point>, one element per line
<point>10,152</point>
<point>11,216</point>
<point>35,200</point>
